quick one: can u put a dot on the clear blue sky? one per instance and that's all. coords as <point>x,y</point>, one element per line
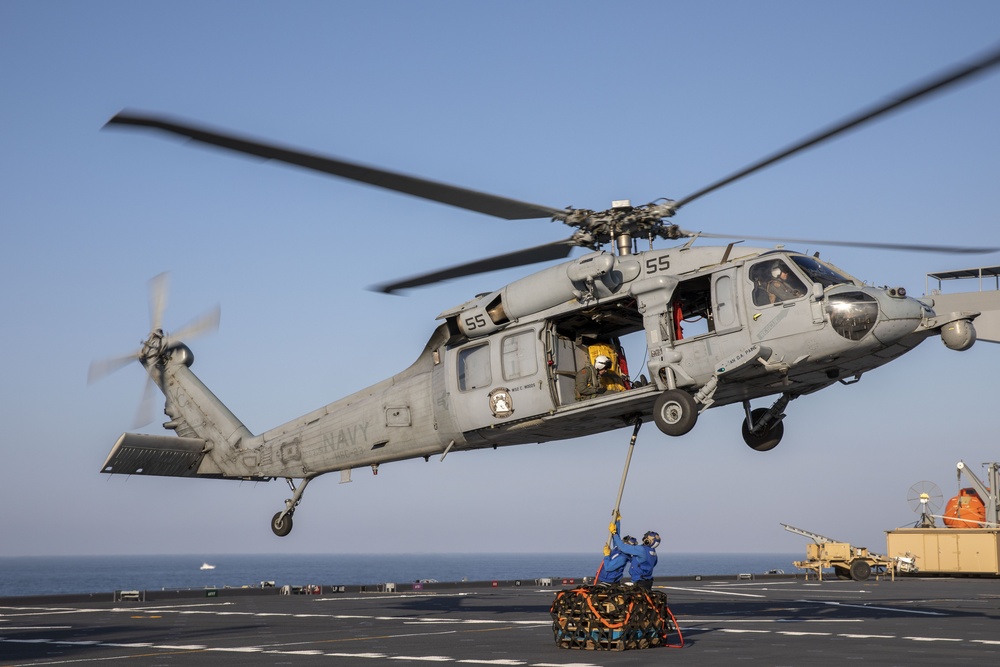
<point>560,103</point>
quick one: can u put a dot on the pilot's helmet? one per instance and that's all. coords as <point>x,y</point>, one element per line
<point>776,269</point>
<point>602,362</point>
<point>651,539</point>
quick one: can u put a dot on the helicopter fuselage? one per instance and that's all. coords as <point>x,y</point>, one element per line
<point>501,368</point>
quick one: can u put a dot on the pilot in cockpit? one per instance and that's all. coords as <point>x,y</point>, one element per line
<point>782,286</point>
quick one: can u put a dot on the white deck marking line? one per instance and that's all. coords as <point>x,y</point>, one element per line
<point>793,633</point>
<point>868,606</point>
<point>459,621</point>
<point>744,631</point>
<point>53,612</point>
<point>769,620</point>
<point>758,584</point>
<point>985,641</point>
<point>934,639</point>
<point>176,609</point>
<point>406,620</point>
<point>869,636</point>
<point>396,596</point>
<point>279,646</point>
<point>128,645</point>
<point>706,590</point>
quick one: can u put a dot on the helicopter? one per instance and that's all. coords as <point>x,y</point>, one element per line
<point>724,324</point>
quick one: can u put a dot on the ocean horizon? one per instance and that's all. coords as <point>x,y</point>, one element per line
<point>58,575</point>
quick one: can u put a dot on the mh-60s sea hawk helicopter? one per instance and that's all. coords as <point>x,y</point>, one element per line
<point>501,368</point>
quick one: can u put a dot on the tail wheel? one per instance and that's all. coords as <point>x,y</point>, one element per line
<point>766,441</point>
<point>675,412</point>
<point>281,525</point>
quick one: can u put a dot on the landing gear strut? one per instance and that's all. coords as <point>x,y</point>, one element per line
<point>762,428</point>
<point>281,523</point>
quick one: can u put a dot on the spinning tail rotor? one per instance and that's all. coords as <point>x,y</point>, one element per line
<point>157,347</point>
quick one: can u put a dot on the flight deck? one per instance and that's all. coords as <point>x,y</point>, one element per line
<point>781,620</point>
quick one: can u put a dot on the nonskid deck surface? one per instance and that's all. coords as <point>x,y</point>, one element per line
<point>773,622</point>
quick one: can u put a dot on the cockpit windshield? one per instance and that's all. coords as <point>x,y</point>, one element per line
<point>820,272</point>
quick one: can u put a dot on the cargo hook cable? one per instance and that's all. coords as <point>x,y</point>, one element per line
<point>621,486</point>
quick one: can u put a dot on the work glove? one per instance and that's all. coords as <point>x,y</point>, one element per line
<point>607,550</point>
<point>612,528</point>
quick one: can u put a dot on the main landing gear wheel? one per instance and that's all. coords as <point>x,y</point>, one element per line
<point>281,525</point>
<point>767,440</point>
<point>675,412</point>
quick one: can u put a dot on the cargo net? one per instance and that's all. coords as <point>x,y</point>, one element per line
<point>612,618</point>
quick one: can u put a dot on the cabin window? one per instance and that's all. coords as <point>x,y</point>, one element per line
<point>725,306</point>
<point>518,356</point>
<point>692,308</point>
<point>474,367</point>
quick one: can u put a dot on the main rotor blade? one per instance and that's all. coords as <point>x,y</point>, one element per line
<point>481,202</point>
<point>908,247</point>
<point>936,84</point>
<point>542,253</point>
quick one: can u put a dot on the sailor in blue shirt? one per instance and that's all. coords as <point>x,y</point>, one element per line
<point>614,566</point>
<point>643,555</point>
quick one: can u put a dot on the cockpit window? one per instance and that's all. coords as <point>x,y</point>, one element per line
<point>819,272</point>
<point>774,282</point>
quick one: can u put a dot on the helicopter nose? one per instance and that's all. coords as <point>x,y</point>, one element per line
<point>899,315</point>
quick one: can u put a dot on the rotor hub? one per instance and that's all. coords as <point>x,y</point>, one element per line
<point>643,221</point>
<point>153,348</point>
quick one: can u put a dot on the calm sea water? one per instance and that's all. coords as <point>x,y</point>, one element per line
<point>99,574</point>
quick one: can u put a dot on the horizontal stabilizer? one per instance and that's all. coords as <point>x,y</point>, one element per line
<point>167,455</point>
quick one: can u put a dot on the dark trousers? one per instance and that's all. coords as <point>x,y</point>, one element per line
<point>644,583</point>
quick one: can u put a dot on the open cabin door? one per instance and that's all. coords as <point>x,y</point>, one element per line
<point>708,324</point>
<point>499,379</point>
